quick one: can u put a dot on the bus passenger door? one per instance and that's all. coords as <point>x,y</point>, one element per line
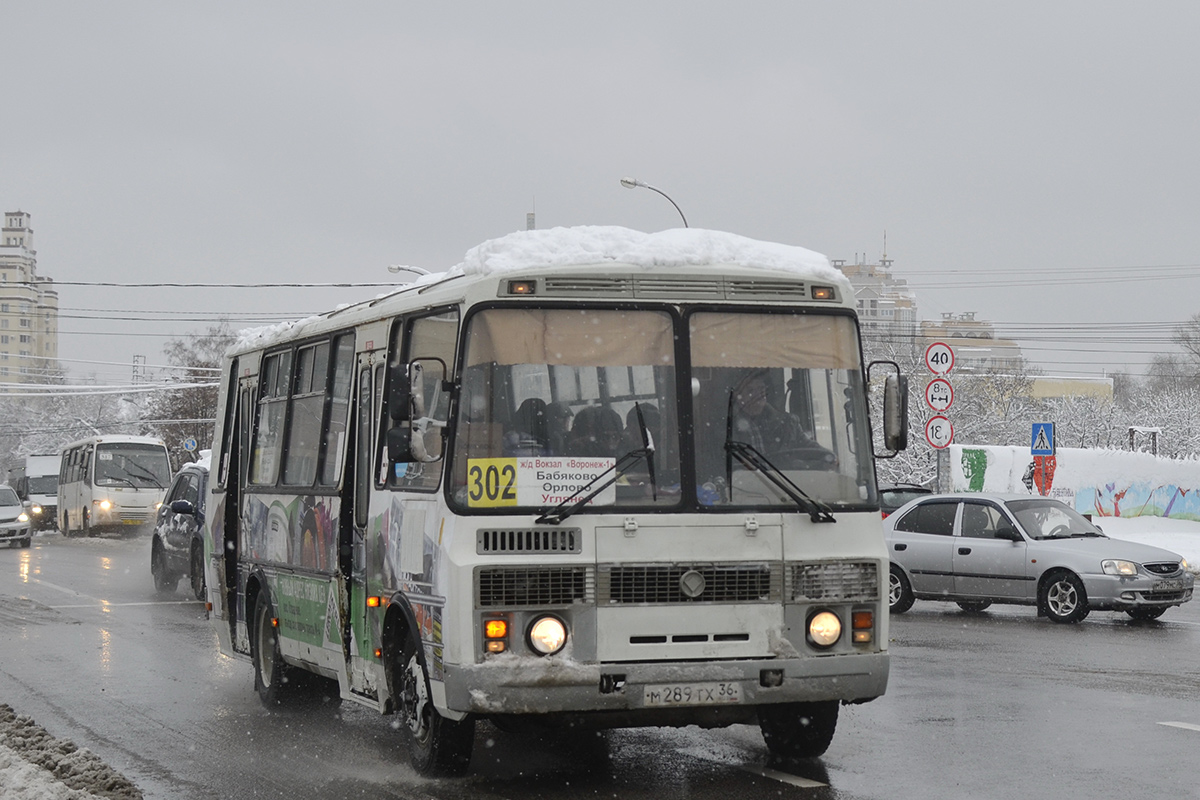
<point>360,637</point>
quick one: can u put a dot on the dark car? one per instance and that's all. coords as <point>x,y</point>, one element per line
<point>177,549</point>
<point>892,497</point>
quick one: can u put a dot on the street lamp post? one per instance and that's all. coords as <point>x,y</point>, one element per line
<point>630,183</point>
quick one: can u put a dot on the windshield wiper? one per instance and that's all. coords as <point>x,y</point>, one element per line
<point>586,493</point>
<point>140,473</point>
<point>748,456</point>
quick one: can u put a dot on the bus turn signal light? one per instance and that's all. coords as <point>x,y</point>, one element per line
<point>373,602</point>
<point>495,629</point>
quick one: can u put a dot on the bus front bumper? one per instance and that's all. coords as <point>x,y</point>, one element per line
<point>526,685</point>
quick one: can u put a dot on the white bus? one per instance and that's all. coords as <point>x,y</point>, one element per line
<point>111,483</point>
<point>542,486</point>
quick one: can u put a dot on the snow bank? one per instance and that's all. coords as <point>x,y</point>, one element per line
<point>36,766</point>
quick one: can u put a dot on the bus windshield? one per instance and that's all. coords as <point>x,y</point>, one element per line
<point>556,402</point>
<point>136,465</point>
<point>778,393</point>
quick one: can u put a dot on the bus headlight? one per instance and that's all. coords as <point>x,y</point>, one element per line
<point>23,517</point>
<point>35,509</point>
<point>547,635</point>
<point>105,505</point>
<point>824,629</point>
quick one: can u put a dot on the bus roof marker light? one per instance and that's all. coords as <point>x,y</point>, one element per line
<point>522,287</point>
<point>822,293</point>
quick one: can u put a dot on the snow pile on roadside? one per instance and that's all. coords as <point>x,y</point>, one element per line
<point>36,766</point>
<point>1177,535</point>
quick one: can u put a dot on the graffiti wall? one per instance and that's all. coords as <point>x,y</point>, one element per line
<point>1106,483</point>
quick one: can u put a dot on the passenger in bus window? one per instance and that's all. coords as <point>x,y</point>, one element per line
<point>633,428</point>
<point>530,434</point>
<point>596,431</point>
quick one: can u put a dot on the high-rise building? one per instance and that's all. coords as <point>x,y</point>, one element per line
<point>28,307</point>
<point>887,307</point>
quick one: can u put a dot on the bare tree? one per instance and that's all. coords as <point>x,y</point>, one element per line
<point>188,413</point>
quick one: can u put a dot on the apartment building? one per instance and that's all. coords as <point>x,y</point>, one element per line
<point>28,307</point>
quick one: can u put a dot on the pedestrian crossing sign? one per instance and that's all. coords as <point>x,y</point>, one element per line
<point>1042,443</point>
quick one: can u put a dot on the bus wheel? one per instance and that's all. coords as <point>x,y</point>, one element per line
<point>197,569</point>
<point>798,730</point>
<point>271,674</point>
<point>436,745</point>
<point>86,525</point>
<point>164,581</point>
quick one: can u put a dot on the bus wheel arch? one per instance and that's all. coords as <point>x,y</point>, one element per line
<point>437,745</point>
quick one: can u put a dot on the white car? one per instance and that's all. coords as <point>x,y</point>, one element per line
<point>979,549</point>
<point>14,521</point>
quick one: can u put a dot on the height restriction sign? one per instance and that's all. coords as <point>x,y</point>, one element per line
<point>939,358</point>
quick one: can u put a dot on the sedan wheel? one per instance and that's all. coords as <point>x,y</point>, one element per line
<point>900,594</point>
<point>1064,599</point>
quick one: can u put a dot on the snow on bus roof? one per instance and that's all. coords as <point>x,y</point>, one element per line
<point>606,244</point>
<point>679,247</point>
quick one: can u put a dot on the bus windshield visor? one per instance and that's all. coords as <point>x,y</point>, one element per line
<point>552,399</point>
<point>787,389</point>
<point>138,465</point>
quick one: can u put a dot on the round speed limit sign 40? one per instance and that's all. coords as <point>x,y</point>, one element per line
<point>939,432</point>
<point>939,358</point>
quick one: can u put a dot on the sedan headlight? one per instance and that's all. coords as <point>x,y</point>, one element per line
<point>1116,567</point>
<point>547,635</point>
<point>1183,565</point>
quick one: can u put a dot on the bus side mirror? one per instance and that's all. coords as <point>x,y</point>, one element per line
<point>414,437</point>
<point>895,409</point>
<point>895,412</point>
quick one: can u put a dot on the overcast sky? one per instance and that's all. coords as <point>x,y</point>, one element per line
<point>1031,162</point>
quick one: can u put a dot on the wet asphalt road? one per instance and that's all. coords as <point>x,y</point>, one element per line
<point>993,705</point>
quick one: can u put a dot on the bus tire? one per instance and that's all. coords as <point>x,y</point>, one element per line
<point>437,746</point>
<point>798,730</point>
<point>66,527</point>
<point>86,524</point>
<point>271,674</point>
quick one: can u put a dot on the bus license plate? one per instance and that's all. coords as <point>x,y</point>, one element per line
<point>692,694</point>
<point>132,521</point>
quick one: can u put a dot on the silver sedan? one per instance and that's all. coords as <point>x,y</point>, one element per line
<point>979,549</point>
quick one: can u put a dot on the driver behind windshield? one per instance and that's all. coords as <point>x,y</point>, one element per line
<point>762,426</point>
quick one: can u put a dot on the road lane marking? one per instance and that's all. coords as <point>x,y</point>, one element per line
<point>783,777</point>
<point>107,604</point>
<point>754,769</point>
<point>96,601</point>
<point>1185,725</point>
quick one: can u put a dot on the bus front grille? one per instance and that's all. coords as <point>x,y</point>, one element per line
<point>528,540</point>
<point>689,583</point>
<point>829,581</point>
<point>521,587</point>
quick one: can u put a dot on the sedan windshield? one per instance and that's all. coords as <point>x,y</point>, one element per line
<point>1050,519</point>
